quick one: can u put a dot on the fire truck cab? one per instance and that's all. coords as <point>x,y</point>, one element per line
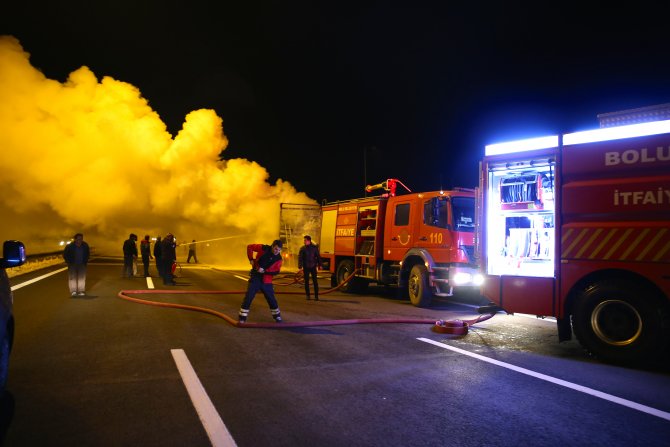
<point>577,226</point>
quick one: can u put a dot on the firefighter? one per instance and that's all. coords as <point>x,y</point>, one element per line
<point>129,255</point>
<point>145,251</point>
<point>191,253</point>
<point>265,263</point>
<point>157,256</point>
<point>309,260</point>
<point>168,257</point>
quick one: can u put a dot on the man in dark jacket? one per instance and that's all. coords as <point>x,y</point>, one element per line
<point>129,255</point>
<point>168,257</point>
<point>76,256</point>
<point>265,263</point>
<point>145,251</point>
<point>157,256</point>
<point>309,260</point>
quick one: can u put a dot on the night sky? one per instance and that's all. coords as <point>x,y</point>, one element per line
<point>310,90</point>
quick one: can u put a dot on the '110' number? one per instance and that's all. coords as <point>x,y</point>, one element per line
<point>435,238</point>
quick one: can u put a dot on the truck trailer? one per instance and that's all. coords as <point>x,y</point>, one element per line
<point>423,243</point>
<point>577,226</point>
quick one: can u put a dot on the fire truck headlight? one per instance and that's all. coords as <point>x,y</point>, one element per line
<point>461,278</point>
<point>478,279</point>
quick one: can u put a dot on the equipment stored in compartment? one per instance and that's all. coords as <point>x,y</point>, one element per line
<point>523,191</point>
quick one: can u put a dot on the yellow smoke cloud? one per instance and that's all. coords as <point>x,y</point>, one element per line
<point>91,156</point>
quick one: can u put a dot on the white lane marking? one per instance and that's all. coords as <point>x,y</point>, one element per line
<point>241,277</point>
<point>617,400</point>
<point>150,283</point>
<point>39,278</point>
<point>214,426</point>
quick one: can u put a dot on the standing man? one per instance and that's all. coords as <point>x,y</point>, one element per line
<point>191,253</point>
<point>265,263</point>
<point>309,260</point>
<point>145,251</point>
<point>168,257</point>
<point>129,255</point>
<point>157,256</point>
<point>76,255</point>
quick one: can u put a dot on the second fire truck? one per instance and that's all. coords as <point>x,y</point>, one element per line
<point>577,226</point>
<point>421,242</point>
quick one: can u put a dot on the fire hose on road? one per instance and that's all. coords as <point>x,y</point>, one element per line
<point>455,327</point>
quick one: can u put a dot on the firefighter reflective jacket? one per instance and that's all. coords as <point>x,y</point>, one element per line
<point>261,256</point>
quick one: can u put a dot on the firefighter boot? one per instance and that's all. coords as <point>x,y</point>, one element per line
<point>242,317</point>
<point>276,314</point>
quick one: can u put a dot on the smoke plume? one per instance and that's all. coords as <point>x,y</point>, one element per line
<point>91,156</point>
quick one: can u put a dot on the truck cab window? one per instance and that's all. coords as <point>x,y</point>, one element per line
<point>463,209</point>
<point>402,214</point>
<point>435,212</point>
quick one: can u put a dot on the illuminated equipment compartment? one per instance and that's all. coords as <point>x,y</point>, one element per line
<point>521,218</point>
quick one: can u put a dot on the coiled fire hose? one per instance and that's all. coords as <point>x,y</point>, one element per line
<point>455,327</point>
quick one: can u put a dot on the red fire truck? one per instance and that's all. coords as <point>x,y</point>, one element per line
<point>421,242</point>
<point>577,226</point>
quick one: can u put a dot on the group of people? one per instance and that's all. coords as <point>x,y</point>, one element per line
<point>265,263</point>
<point>164,253</point>
<point>76,255</point>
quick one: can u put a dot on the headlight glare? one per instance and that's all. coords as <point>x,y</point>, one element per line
<point>461,278</point>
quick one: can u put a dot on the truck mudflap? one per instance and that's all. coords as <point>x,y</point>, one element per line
<point>490,309</point>
<point>564,329</point>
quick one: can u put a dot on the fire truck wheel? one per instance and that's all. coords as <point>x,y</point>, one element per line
<point>417,285</point>
<point>619,321</point>
<point>344,270</point>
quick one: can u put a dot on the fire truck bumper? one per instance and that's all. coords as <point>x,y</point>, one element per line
<point>459,279</point>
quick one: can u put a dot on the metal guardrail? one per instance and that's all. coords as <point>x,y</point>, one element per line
<point>39,261</point>
<point>30,256</point>
<point>36,262</point>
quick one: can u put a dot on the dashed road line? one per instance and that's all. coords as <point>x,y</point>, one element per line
<point>218,434</point>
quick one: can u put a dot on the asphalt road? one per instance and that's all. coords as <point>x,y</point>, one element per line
<point>102,371</point>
